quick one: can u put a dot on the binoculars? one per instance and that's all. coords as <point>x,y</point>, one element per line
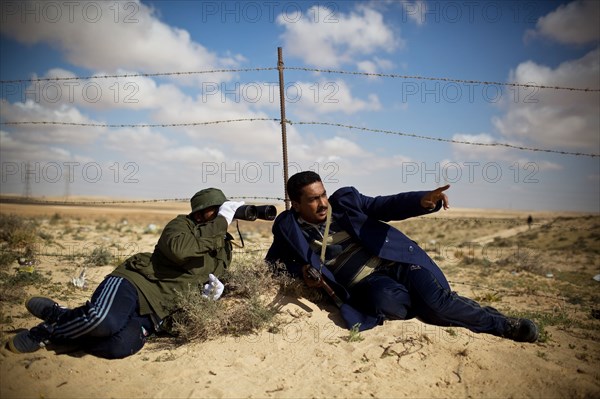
<point>253,212</point>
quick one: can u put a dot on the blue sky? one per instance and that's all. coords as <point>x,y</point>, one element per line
<point>549,43</point>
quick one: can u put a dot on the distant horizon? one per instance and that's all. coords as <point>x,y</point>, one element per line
<point>107,200</point>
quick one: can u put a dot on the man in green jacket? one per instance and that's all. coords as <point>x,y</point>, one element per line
<point>132,301</point>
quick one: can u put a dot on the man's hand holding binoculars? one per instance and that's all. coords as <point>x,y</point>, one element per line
<point>238,210</point>
<point>227,210</point>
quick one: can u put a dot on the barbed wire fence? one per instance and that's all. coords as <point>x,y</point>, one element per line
<point>283,121</point>
<point>290,122</point>
<point>292,68</point>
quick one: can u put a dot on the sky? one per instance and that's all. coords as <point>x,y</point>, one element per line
<point>416,85</point>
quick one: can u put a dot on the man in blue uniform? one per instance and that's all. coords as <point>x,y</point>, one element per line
<point>372,269</point>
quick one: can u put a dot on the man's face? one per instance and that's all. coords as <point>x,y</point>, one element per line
<point>206,215</point>
<point>313,203</point>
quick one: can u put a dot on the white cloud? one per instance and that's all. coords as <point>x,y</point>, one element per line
<point>482,138</point>
<point>342,147</point>
<point>556,118</point>
<point>512,157</point>
<point>324,97</point>
<point>131,93</point>
<point>258,138</point>
<point>375,65</point>
<point>573,23</point>
<point>367,66</point>
<point>160,151</point>
<point>469,151</point>
<point>143,139</point>
<point>303,99</point>
<point>376,163</point>
<point>542,165</point>
<point>193,155</point>
<point>30,111</point>
<point>96,36</point>
<point>18,151</point>
<point>323,43</point>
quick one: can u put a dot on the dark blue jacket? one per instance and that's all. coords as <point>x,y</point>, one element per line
<point>363,218</point>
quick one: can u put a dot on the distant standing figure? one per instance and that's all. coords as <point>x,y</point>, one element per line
<point>529,221</point>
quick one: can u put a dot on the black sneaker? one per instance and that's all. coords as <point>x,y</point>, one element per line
<point>521,330</point>
<point>44,308</point>
<point>30,340</point>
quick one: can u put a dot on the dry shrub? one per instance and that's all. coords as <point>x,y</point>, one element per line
<point>12,286</point>
<point>11,293</point>
<point>196,318</point>
<point>17,239</point>
<point>246,305</point>
<point>16,231</point>
<point>7,257</point>
<point>99,257</point>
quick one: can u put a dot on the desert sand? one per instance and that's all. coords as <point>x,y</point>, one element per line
<point>310,355</point>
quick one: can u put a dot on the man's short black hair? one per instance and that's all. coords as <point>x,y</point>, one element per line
<point>297,182</point>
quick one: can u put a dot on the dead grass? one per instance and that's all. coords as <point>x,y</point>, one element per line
<point>17,239</point>
<point>246,306</point>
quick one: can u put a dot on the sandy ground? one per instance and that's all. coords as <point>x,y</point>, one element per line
<point>310,356</point>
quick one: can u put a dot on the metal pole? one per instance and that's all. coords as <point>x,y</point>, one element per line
<point>283,125</point>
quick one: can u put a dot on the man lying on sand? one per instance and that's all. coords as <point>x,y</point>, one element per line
<point>132,301</point>
<point>372,270</point>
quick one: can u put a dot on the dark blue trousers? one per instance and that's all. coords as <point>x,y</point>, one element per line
<point>405,291</point>
<point>109,325</point>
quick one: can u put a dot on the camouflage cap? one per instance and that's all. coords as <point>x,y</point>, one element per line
<point>207,198</point>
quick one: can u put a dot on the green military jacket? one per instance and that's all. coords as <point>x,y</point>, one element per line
<point>184,256</point>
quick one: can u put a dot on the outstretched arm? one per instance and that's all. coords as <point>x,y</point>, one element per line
<point>390,207</point>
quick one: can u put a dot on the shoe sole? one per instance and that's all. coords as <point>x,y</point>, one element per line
<point>11,347</point>
<point>14,349</point>
<point>31,310</point>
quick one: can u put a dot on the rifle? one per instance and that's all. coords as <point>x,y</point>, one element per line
<point>313,274</point>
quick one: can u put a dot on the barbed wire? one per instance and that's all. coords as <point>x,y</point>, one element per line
<point>134,125</point>
<point>306,69</point>
<point>333,124</point>
<point>454,141</point>
<point>467,81</point>
<point>139,75</point>
<point>34,201</point>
